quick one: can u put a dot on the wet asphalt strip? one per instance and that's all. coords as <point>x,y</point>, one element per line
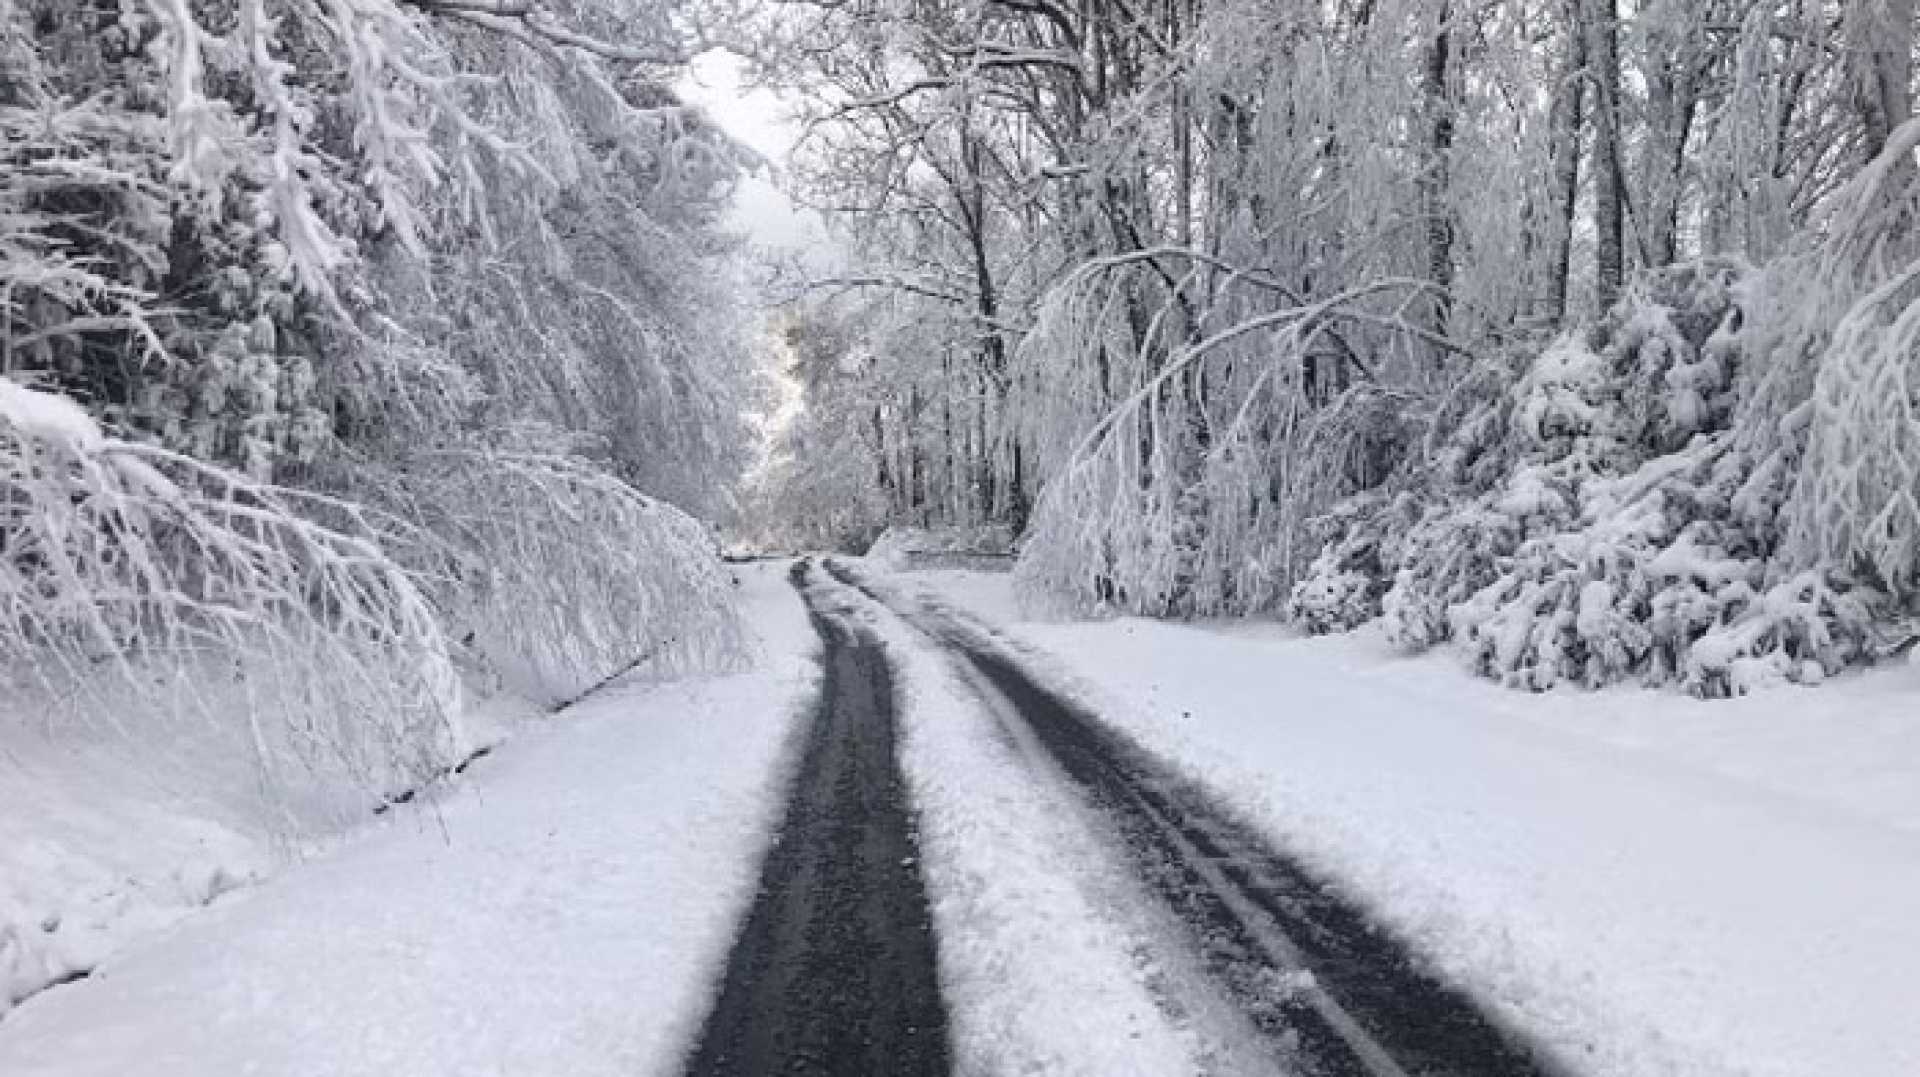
<point>833,970</point>
<point>1335,994</point>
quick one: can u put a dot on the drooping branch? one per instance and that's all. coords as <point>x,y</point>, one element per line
<point>525,18</point>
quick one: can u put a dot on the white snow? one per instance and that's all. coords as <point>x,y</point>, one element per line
<point>561,910</point>
<point>902,547</point>
<point>48,417</point>
<point>1653,884</point>
<point>125,828</point>
<point>96,850</point>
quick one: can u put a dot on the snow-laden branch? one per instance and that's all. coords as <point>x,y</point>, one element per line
<point>129,573</point>
<point>1250,413</point>
<point>528,20</point>
<point>568,574</point>
<point>1301,324</point>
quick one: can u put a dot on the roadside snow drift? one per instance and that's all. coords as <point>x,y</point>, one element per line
<point>560,911</point>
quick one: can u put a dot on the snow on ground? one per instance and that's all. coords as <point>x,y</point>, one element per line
<point>96,850</point>
<point>901,547</point>
<point>1654,884</point>
<point>1043,960</point>
<point>560,910</point>
<point>111,831</point>
<point>111,834</point>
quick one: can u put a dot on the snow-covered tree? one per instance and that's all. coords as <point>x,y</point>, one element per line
<point>1571,330</point>
<point>381,339</point>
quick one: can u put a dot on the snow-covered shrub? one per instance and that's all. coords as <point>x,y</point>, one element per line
<point>1359,539</point>
<point>908,547</point>
<point>1801,629</point>
<point>1448,556</point>
<point>139,586</point>
<point>1620,511</point>
<point>1554,574</point>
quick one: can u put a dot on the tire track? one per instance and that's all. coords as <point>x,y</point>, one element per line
<point>1330,989</point>
<point>834,971</point>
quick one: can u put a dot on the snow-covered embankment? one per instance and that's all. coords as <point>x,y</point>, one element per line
<point>560,910</point>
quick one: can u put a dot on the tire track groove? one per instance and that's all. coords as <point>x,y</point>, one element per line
<point>833,971</point>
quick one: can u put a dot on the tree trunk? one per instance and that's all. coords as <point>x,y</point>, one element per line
<point>885,474</point>
<point>1673,105</point>
<point>1609,188</point>
<point>1879,36</point>
<point>1182,137</point>
<point>1436,176</point>
<point>1568,127</point>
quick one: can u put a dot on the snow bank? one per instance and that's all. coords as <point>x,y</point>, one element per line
<point>131,830</point>
<point>1654,884</point>
<point>920,547</point>
<point>94,852</point>
<point>559,911</point>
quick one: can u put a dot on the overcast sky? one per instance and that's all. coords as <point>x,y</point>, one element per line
<point>769,218</point>
<point>757,118</point>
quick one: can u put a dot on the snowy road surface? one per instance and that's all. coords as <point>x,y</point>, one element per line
<point>1325,990</point>
<point>1141,849</point>
<point>834,968</point>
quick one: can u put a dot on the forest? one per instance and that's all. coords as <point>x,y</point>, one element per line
<point>361,358</point>
<point>1579,334</point>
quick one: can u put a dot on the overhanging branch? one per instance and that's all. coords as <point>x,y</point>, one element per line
<point>528,19</point>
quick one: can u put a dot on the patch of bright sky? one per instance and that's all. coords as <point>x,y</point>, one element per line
<point>759,118</point>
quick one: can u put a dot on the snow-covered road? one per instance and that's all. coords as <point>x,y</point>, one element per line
<point>1125,832</point>
<point>1300,979</point>
<point>834,966</point>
